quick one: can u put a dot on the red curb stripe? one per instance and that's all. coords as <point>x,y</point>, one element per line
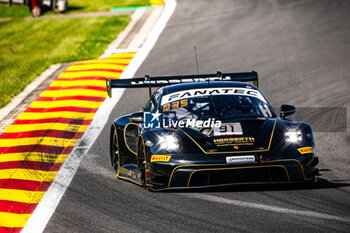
<point>27,185</point>
<point>62,109</point>
<point>71,121</point>
<point>77,97</point>
<point>44,133</point>
<point>17,207</point>
<point>96,88</point>
<point>10,229</point>
<point>37,148</point>
<point>34,165</point>
<point>88,70</point>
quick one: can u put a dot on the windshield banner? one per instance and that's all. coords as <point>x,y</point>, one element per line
<point>211,91</point>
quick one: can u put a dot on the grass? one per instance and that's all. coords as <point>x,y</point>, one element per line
<point>102,5</point>
<point>74,6</point>
<point>13,11</point>
<point>26,50</point>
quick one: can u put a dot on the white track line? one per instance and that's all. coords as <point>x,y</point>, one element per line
<point>52,197</point>
<point>310,214</point>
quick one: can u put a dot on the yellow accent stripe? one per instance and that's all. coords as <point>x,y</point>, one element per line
<point>72,83</point>
<point>46,115</point>
<point>104,61</point>
<point>27,174</point>
<point>121,55</point>
<point>156,2</point>
<point>34,156</point>
<point>96,66</point>
<point>54,126</point>
<point>73,92</point>
<point>128,179</point>
<point>65,103</point>
<point>13,220</point>
<point>90,73</point>
<point>50,141</point>
<point>21,195</point>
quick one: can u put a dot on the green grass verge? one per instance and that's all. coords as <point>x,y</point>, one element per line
<point>27,48</point>
<point>74,6</point>
<point>13,11</point>
<point>102,5</point>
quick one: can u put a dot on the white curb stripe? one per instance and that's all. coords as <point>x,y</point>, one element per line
<point>49,202</point>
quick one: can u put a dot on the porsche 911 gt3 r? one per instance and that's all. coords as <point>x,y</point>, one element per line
<point>209,130</point>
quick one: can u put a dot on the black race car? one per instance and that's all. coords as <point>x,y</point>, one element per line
<point>209,130</point>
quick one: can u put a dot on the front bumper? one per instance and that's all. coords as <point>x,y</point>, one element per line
<point>208,175</point>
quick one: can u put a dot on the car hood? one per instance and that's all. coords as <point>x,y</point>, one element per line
<point>256,135</point>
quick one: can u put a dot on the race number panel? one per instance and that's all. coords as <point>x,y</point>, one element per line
<point>228,129</point>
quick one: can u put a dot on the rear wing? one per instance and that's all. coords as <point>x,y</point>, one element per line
<point>168,80</point>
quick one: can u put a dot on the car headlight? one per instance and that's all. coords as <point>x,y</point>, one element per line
<point>169,142</point>
<point>293,136</point>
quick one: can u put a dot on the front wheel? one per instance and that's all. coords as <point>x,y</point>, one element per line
<point>114,151</point>
<point>141,161</point>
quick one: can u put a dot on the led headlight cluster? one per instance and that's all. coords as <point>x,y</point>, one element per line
<point>293,136</point>
<point>169,142</point>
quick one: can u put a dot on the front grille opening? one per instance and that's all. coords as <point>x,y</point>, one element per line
<point>244,175</point>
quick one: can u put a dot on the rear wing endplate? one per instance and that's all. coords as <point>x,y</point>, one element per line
<point>169,80</point>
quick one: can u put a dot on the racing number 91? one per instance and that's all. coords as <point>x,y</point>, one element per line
<point>227,129</point>
<point>175,105</point>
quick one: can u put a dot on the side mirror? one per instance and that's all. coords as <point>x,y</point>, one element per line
<point>287,110</point>
<point>137,117</point>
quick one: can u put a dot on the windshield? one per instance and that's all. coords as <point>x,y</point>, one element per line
<point>216,104</point>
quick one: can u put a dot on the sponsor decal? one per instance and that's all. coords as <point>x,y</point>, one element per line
<point>240,159</point>
<point>175,105</point>
<point>183,80</point>
<point>237,141</point>
<point>160,158</point>
<point>176,96</point>
<point>306,150</point>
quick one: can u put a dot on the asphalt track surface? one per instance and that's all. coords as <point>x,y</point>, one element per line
<point>301,50</point>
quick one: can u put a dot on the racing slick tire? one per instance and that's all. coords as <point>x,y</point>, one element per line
<point>114,150</point>
<point>141,161</point>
